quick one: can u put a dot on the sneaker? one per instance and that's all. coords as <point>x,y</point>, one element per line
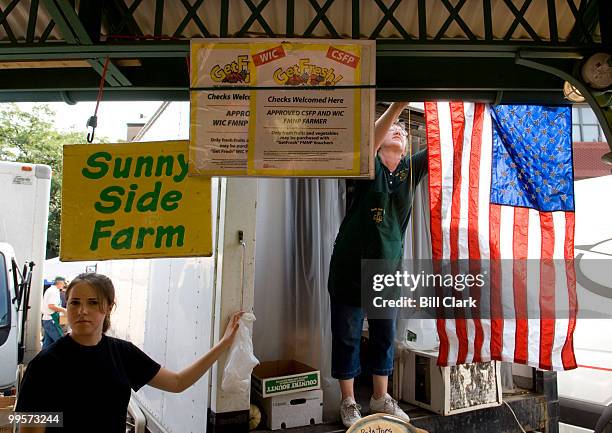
<point>389,406</point>
<point>349,412</point>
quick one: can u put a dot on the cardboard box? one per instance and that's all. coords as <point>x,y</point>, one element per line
<point>291,410</point>
<point>449,390</point>
<point>273,378</point>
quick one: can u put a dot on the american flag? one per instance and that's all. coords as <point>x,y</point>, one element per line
<point>501,187</point>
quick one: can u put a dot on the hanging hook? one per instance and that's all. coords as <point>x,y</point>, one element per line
<point>93,120</point>
<point>93,124</point>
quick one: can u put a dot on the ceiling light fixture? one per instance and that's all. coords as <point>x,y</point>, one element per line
<point>571,93</point>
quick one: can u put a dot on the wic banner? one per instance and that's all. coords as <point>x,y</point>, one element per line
<point>277,107</point>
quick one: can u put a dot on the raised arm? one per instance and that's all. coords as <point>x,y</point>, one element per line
<point>171,381</point>
<point>385,122</point>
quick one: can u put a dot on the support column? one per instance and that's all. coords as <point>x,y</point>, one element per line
<point>234,290</point>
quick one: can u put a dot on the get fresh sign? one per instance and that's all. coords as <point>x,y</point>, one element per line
<point>133,200</point>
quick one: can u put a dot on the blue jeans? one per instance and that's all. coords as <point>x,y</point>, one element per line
<point>347,324</point>
<point>52,334</point>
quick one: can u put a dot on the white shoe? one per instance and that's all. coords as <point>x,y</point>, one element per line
<point>349,412</point>
<point>389,406</point>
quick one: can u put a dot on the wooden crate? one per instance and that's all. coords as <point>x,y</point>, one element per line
<point>7,406</point>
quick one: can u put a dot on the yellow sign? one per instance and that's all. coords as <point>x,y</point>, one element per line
<point>133,200</point>
<point>277,107</point>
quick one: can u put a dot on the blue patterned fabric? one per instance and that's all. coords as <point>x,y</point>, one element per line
<point>532,157</point>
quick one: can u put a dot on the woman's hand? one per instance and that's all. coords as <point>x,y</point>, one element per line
<point>167,380</point>
<point>232,328</point>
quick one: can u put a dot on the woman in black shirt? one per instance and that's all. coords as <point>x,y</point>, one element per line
<point>88,375</point>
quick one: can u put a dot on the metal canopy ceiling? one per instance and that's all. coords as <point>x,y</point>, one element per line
<point>419,41</point>
<point>495,50</point>
<point>424,20</point>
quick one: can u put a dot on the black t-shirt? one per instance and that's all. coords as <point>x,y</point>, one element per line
<point>89,384</point>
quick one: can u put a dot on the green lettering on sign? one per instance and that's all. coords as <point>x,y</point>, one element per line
<point>99,233</point>
<point>169,233</point>
<point>94,161</point>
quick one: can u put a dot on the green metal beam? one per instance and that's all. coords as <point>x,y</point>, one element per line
<point>90,15</point>
<point>73,31</point>
<point>321,17</point>
<point>497,71</point>
<point>581,31</point>
<point>128,17</point>
<point>159,17</point>
<point>586,16</point>
<point>520,17</point>
<point>552,21</point>
<point>181,49</point>
<point>401,49</point>
<point>355,20</point>
<point>518,20</point>
<point>255,16</point>
<point>32,21</point>
<point>290,18</point>
<point>60,21</point>
<point>69,15</point>
<point>95,53</point>
<point>605,25</point>
<point>423,20</point>
<point>60,50</point>
<point>192,14</point>
<point>454,16</point>
<point>224,24</point>
<point>389,17</point>
<point>98,66</point>
<point>45,34</point>
<point>4,21</point>
<point>110,94</point>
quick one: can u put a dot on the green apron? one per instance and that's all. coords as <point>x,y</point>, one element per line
<point>56,321</point>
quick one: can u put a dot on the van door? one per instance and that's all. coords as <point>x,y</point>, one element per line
<point>8,324</point>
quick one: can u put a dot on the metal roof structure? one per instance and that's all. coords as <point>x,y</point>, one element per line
<point>490,50</point>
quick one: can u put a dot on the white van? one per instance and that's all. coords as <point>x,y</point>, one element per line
<point>24,194</point>
<point>8,318</point>
<point>586,392</point>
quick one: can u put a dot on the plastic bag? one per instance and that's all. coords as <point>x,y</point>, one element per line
<point>240,360</point>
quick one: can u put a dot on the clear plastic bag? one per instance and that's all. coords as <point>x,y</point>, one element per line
<point>240,360</point>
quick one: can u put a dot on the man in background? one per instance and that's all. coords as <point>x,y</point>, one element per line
<point>51,309</point>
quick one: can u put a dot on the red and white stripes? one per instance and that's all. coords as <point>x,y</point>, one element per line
<point>525,294</point>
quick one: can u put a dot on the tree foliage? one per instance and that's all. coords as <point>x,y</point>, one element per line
<point>31,136</point>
